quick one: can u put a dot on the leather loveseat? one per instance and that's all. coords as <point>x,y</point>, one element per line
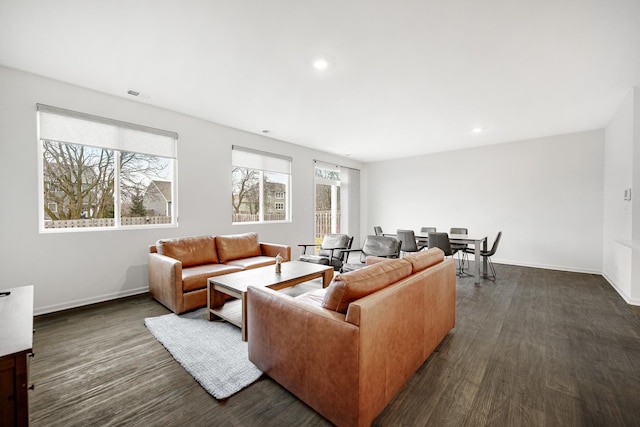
<point>347,350</point>
<point>179,267</point>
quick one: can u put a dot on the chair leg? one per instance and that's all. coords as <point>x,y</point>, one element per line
<point>462,258</point>
<point>491,277</point>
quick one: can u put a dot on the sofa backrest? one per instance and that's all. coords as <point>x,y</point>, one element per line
<point>348,287</point>
<point>196,250</point>
<point>424,259</point>
<point>237,246</point>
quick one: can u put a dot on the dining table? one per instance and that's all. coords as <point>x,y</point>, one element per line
<point>479,244</point>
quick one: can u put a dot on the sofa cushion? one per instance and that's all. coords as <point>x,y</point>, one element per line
<point>195,278</point>
<point>236,246</point>
<point>314,298</point>
<point>425,259</point>
<point>348,287</point>
<point>196,250</point>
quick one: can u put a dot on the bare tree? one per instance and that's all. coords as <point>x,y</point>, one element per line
<point>245,189</point>
<point>79,180</point>
<point>136,171</point>
<point>323,190</point>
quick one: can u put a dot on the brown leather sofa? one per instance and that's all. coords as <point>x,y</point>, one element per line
<point>179,268</point>
<point>347,350</point>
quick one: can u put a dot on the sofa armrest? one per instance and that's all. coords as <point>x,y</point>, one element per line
<point>309,350</point>
<point>273,249</point>
<point>165,281</point>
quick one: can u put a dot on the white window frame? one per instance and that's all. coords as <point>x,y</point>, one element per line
<point>84,130</point>
<point>263,162</point>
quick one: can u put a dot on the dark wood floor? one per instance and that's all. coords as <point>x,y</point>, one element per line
<point>538,347</point>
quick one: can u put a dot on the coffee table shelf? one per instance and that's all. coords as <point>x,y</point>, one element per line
<point>236,284</point>
<point>231,311</point>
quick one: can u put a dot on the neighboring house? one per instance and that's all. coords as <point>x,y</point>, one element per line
<point>275,201</point>
<point>275,198</point>
<point>157,198</point>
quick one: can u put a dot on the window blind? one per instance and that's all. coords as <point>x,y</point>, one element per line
<point>254,159</point>
<point>66,126</point>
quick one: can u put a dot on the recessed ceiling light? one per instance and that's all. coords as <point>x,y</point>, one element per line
<point>133,93</point>
<point>266,131</point>
<point>477,130</point>
<point>320,64</point>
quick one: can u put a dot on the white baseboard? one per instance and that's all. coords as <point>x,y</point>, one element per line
<point>79,303</point>
<point>548,267</point>
<point>628,299</point>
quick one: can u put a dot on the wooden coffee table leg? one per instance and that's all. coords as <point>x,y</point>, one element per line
<point>215,298</point>
<point>326,278</point>
<point>244,316</point>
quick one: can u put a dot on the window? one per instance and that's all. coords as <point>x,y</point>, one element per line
<point>337,194</point>
<point>257,179</point>
<point>102,173</point>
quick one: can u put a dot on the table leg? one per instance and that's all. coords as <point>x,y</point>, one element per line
<point>326,278</point>
<point>215,299</point>
<point>484,259</point>
<point>244,316</point>
<point>476,257</point>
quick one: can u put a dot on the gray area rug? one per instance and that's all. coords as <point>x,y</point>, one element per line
<point>212,352</point>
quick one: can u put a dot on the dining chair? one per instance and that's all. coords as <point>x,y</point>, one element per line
<point>463,260</point>
<point>441,240</point>
<point>425,231</point>
<point>488,254</point>
<point>408,241</point>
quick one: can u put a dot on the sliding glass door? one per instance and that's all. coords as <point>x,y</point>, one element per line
<point>337,201</point>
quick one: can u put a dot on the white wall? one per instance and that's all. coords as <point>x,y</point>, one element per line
<point>546,195</point>
<point>73,269</point>
<point>621,230</point>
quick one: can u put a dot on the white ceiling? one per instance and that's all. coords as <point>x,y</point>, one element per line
<point>405,77</point>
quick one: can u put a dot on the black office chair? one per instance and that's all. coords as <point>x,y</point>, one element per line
<point>331,250</point>
<point>488,254</point>
<point>380,246</point>
<point>409,243</point>
<point>441,240</point>
<point>378,230</point>
<point>463,260</point>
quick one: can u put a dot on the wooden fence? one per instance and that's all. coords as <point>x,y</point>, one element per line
<point>323,224</point>
<point>243,217</point>
<point>106,222</point>
<point>322,221</point>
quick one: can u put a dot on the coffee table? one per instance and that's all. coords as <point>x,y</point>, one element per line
<point>235,285</point>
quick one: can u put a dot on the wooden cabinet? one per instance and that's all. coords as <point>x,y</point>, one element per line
<point>16,340</point>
